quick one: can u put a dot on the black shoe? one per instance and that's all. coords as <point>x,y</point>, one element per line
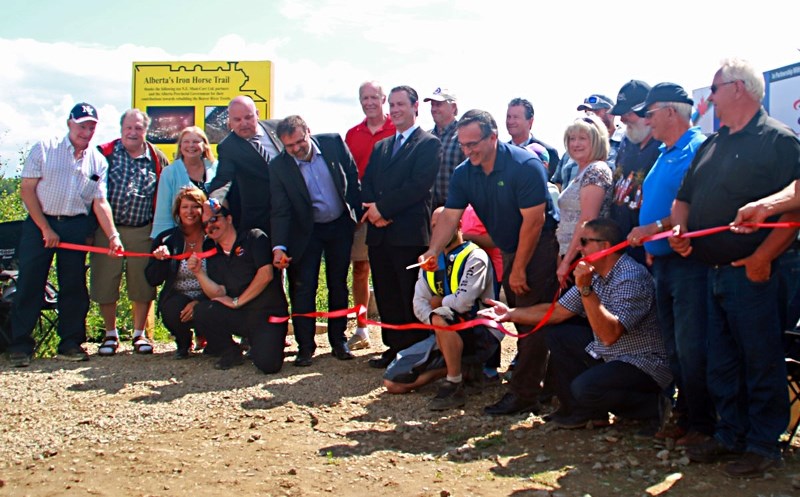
<point>450,396</point>
<point>558,413</point>
<point>511,404</point>
<point>303,359</point>
<point>342,353</point>
<point>19,359</point>
<point>182,353</point>
<point>230,359</point>
<point>381,361</point>
<point>76,354</point>
<point>751,465</point>
<point>710,451</point>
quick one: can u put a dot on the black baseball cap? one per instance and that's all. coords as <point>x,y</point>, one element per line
<point>664,92</point>
<point>631,94</point>
<point>83,112</point>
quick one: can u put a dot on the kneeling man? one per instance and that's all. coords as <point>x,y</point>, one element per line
<point>451,294</point>
<point>618,362</point>
<point>243,291</point>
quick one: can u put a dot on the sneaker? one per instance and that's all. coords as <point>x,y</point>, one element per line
<point>357,342</point>
<point>76,354</point>
<point>450,396</point>
<point>19,359</point>
<point>751,465</point>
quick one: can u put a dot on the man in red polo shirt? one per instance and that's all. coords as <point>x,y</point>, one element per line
<point>361,139</point>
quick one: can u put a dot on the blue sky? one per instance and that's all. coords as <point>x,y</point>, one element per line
<point>55,53</point>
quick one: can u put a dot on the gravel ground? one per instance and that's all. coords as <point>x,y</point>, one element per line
<point>150,425</point>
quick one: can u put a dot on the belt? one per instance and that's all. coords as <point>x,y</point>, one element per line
<point>63,218</point>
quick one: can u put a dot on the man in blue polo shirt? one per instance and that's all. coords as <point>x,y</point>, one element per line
<point>507,186</point>
<point>680,282</point>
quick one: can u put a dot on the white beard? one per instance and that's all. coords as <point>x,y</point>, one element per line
<point>637,132</point>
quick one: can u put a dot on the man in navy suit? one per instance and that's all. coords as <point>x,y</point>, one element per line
<point>316,204</point>
<point>242,176</point>
<point>397,194</point>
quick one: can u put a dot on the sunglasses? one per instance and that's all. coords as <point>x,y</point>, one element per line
<point>212,220</point>
<point>593,100</point>
<point>714,88</point>
<point>585,241</point>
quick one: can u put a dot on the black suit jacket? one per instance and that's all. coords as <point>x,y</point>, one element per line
<point>401,186</point>
<point>243,180</point>
<point>292,216</point>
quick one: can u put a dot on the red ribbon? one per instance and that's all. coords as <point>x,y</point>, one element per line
<point>125,253</point>
<point>361,311</point>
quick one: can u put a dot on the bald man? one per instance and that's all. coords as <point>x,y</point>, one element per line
<point>242,176</point>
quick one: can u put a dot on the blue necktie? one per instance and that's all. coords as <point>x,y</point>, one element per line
<point>398,142</point>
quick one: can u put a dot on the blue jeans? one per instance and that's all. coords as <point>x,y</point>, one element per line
<point>789,287</point>
<point>333,241</point>
<point>681,287</point>
<point>746,369</point>
<point>34,266</point>
<point>591,388</point>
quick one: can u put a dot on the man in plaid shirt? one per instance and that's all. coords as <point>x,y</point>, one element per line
<point>615,363</point>
<point>444,111</point>
<point>133,168</point>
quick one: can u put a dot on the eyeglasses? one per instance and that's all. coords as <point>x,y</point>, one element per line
<point>586,241</point>
<point>650,112</point>
<point>470,145</point>
<point>714,88</point>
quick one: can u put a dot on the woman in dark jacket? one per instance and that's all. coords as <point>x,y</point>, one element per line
<point>181,291</point>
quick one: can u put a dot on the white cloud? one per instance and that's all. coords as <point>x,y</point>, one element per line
<point>553,54</point>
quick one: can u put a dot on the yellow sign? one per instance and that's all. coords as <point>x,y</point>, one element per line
<point>180,94</point>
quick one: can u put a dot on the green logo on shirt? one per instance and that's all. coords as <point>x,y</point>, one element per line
<point>501,183</point>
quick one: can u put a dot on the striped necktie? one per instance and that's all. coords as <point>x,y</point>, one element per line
<point>259,148</point>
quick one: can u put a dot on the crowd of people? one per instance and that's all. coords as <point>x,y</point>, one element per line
<point>687,329</point>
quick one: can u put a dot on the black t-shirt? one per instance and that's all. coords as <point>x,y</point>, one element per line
<point>633,164</point>
<point>730,170</point>
<point>236,270</point>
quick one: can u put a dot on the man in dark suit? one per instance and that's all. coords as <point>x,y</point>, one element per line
<point>242,176</point>
<point>396,190</point>
<point>316,204</point>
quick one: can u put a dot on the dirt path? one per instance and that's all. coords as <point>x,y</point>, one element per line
<point>153,426</point>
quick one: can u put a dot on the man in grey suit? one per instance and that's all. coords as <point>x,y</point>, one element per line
<point>242,176</point>
<point>316,204</point>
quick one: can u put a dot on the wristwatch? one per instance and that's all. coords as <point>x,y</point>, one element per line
<point>586,290</point>
<point>659,225</point>
<point>235,302</point>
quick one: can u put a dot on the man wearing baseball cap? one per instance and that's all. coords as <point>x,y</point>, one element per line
<point>636,155</point>
<point>680,282</point>
<point>444,111</point>
<point>600,106</point>
<point>62,180</point>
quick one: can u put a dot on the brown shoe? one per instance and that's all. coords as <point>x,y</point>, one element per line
<point>691,439</point>
<point>670,431</point>
<point>751,465</point>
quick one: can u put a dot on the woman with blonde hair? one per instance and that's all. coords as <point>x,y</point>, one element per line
<point>588,195</point>
<point>194,165</point>
<point>181,291</point>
